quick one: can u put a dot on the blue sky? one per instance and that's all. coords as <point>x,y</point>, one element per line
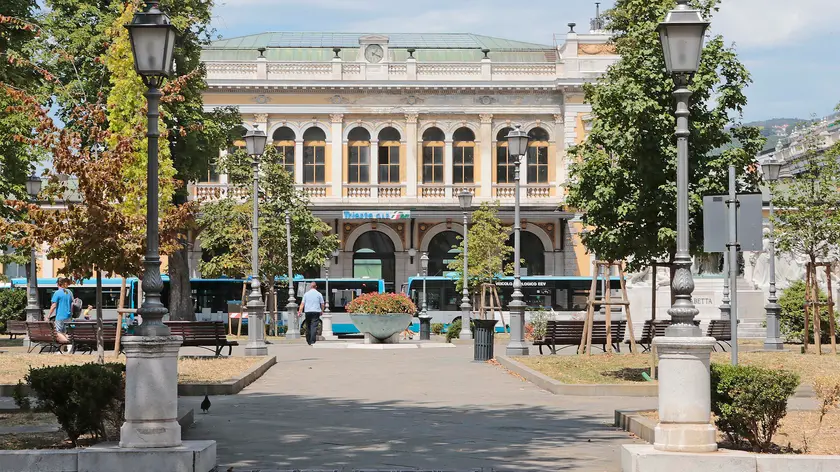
<point>790,47</point>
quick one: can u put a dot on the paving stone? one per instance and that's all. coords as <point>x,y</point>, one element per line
<point>406,410</point>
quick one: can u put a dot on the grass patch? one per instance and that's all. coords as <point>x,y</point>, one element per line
<point>55,440</point>
<point>628,368</point>
<point>13,367</point>
<point>26,418</point>
<point>800,433</point>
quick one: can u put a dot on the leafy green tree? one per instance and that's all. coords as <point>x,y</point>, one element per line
<point>807,219</point>
<point>226,224</point>
<point>624,178</point>
<point>99,64</point>
<point>487,249</point>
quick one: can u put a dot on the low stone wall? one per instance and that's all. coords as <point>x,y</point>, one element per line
<point>231,387</point>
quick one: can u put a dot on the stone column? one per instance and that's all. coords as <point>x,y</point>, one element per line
<point>447,167</point>
<point>337,160</point>
<point>261,122</point>
<point>560,164</point>
<point>485,136</point>
<point>411,155</point>
<point>151,392</point>
<point>685,402</point>
<point>374,168</point>
<point>299,161</point>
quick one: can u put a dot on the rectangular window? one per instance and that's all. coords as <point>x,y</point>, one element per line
<point>313,164</point>
<point>358,165</point>
<point>389,164</point>
<point>463,165</point>
<point>287,157</point>
<point>505,166</point>
<point>433,165</point>
<point>538,165</point>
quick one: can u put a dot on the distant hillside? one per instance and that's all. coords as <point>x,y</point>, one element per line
<point>768,129</point>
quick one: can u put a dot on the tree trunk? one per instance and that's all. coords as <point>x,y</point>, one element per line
<point>100,342</point>
<point>180,293</point>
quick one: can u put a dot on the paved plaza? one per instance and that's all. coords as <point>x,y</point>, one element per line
<point>416,409</point>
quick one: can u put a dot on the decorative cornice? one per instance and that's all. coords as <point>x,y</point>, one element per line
<point>596,49</point>
<point>411,118</point>
<point>486,118</point>
<point>336,117</point>
<point>261,117</point>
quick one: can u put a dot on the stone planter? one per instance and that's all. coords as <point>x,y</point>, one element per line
<point>381,328</point>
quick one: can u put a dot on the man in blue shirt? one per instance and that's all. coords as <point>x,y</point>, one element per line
<point>312,305</point>
<point>62,307</point>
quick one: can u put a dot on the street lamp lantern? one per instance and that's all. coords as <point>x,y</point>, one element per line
<point>152,38</point>
<point>465,199</point>
<point>33,186</point>
<point>424,264</point>
<point>682,34</point>
<point>771,170</point>
<point>255,140</point>
<point>517,142</point>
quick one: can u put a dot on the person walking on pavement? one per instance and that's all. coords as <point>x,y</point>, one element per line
<point>312,306</point>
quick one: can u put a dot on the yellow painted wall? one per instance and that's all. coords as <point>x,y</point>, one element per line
<point>584,268</point>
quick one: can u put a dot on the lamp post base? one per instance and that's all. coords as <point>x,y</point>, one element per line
<point>256,350</point>
<point>685,400</point>
<point>151,392</point>
<point>517,345</point>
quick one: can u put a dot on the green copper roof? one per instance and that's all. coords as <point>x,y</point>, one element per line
<point>432,47</point>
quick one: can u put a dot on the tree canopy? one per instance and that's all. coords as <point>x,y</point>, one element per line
<point>623,179</point>
<point>487,249</point>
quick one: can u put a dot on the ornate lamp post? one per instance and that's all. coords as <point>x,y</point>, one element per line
<point>293,332</point>
<point>255,140</point>
<point>33,302</point>
<point>684,383</point>
<point>465,199</point>
<point>326,317</point>
<point>773,340</point>
<point>517,147</point>
<point>152,355</point>
<point>424,315</point>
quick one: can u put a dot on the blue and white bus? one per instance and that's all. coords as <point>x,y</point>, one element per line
<point>211,298</point>
<point>565,296</point>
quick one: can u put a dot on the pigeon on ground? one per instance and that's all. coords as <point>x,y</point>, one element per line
<point>205,404</point>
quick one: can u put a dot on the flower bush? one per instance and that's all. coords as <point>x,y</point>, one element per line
<point>381,304</point>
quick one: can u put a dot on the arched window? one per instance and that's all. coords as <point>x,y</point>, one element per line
<point>505,164</point>
<point>538,156</point>
<point>443,249</point>
<point>373,258</point>
<point>532,253</point>
<point>433,156</point>
<point>283,141</point>
<point>358,162</point>
<point>463,156</point>
<point>314,152</point>
<point>389,156</point>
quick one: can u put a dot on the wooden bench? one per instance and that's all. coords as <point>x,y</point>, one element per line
<point>15,328</point>
<point>568,333</point>
<point>721,330</point>
<point>209,335</point>
<point>42,333</point>
<point>82,335</point>
<point>654,329</point>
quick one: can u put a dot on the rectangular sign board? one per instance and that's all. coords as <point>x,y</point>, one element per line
<point>716,222</point>
<point>376,215</point>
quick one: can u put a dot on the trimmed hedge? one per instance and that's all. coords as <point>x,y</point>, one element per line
<point>749,402</point>
<point>86,399</point>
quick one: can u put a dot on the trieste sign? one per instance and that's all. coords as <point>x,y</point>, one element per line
<point>376,215</point>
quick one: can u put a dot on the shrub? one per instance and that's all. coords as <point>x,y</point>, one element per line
<point>84,398</point>
<point>437,328</point>
<point>792,317</point>
<point>454,330</point>
<point>381,304</point>
<point>12,306</point>
<point>750,402</point>
<point>539,323</point>
<point>827,389</point>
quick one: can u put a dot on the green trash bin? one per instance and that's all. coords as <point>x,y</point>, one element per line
<point>485,332</point>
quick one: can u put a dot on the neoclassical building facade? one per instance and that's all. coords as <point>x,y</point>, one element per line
<point>383,131</point>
